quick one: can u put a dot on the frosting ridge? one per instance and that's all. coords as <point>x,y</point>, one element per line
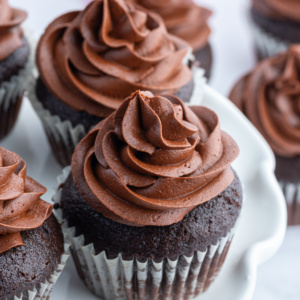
<point>270,97</point>
<point>20,205</point>
<point>184,19</point>
<point>153,160</point>
<point>95,58</point>
<point>11,33</point>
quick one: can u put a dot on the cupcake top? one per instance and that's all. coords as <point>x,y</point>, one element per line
<point>270,97</point>
<point>287,10</point>
<point>153,160</point>
<point>183,18</point>
<point>93,59</point>
<point>20,205</point>
<point>11,33</point>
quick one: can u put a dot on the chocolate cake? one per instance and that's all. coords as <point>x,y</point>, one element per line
<point>22,268</point>
<point>91,69</point>
<point>14,56</point>
<point>31,240</point>
<point>269,97</point>
<point>152,194</point>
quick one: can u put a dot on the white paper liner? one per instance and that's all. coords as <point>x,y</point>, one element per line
<point>267,44</point>
<point>12,91</point>
<point>119,279</point>
<point>64,137</point>
<point>291,193</point>
<point>198,92</point>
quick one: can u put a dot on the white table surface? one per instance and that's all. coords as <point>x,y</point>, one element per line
<point>278,279</point>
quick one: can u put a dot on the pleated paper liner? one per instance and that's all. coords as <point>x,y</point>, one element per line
<point>291,193</point>
<point>11,96</point>
<point>267,44</point>
<point>184,278</point>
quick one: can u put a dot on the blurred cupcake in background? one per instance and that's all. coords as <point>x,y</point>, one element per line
<point>89,61</point>
<point>15,65</point>
<point>187,20</point>
<point>276,25</point>
<point>31,241</point>
<point>270,97</point>
<point>151,203</point>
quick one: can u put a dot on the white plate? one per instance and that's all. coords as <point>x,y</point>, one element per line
<point>262,223</point>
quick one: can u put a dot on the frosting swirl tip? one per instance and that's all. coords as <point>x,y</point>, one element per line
<point>153,160</point>
<point>20,205</point>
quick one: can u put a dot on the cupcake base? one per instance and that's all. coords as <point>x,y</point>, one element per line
<point>42,263</point>
<point>291,193</point>
<point>9,115</point>
<point>205,57</point>
<point>287,172</point>
<point>13,87</point>
<point>184,278</point>
<point>267,43</point>
<point>156,271</point>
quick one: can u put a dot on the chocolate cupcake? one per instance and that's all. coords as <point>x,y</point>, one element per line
<point>15,65</point>
<point>276,25</point>
<point>152,202</point>
<point>31,242</point>
<point>187,20</point>
<point>270,97</point>
<point>90,61</point>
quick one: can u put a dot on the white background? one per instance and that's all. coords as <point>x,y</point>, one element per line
<point>279,278</point>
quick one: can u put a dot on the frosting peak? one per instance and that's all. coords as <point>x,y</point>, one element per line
<point>183,18</point>
<point>270,97</point>
<point>95,58</point>
<point>20,205</point>
<point>153,160</point>
<point>10,31</point>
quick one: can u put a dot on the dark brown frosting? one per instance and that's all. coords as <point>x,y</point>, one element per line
<point>20,205</point>
<point>183,18</point>
<point>10,31</point>
<point>286,10</point>
<point>153,160</point>
<point>93,59</point>
<point>270,97</point>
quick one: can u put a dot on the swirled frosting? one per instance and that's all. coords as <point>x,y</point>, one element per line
<point>270,97</point>
<point>183,18</point>
<point>10,31</point>
<point>93,59</point>
<point>20,205</point>
<point>153,160</point>
<point>287,10</point>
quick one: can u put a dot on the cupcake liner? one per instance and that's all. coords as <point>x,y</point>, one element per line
<point>64,137</point>
<point>41,291</point>
<point>200,81</point>
<point>117,278</point>
<point>291,193</point>
<point>11,96</point>
<point>267,44</point>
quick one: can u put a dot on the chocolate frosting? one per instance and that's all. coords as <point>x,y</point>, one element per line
<point>20,205</point>
<point>93,59</point>
<point>11,33</point>
<point>270,97</point>
<point>153,160</point>
<point>287,10</point>
<point>183,18</point>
